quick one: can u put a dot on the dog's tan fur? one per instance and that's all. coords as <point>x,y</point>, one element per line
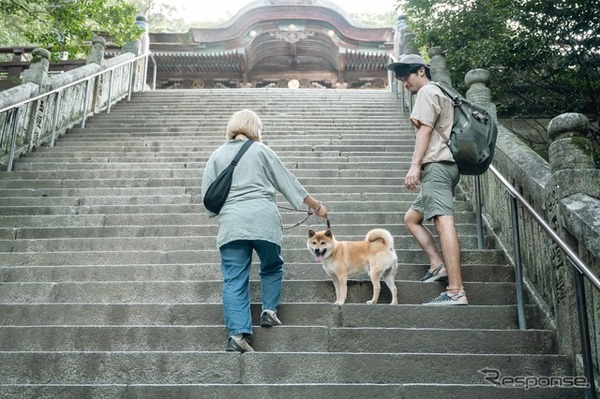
<point>375,255</point>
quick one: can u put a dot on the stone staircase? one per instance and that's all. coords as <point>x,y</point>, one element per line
<point>110,280</point>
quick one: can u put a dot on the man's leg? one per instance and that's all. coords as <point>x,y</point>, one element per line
<point>450,244</point>
<point>414,223</point>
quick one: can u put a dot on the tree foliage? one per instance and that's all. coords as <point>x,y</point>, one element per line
<point>544,55</point>
<point>66,26</point>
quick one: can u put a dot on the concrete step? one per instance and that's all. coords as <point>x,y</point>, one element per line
<point>281,339</point>
<point>197,217</point>
<point>175,243</point>
<point>395,184</point>
<point>330,198</point>
<point>298,254</point>
<point>289,391</point>
<point>173,367</point>
<point>55,232</point>
<point>349,315</point>
<point>294,291</point>
<point>212,271</point>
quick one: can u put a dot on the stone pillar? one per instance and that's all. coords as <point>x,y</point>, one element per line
<point>408,39</point>
<point>38,70</point>
<point>142,22</point>
<point>37,73</point>
<point>477,81</point>
<point>570,148</point>
<point>573,171</point>
<point>400,25</point>
<point>96,54</point>
<point>439,69</point>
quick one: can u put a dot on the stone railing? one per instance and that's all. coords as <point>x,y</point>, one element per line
<point>564,191</point>
<point>44,106</point>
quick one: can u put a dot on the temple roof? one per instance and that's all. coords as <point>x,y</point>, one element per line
<point>271,41</point>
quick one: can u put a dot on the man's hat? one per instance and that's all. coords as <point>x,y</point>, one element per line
<point>407,62</point>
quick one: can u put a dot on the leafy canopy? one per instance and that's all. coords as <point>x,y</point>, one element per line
<point>66,26</point>
<point>544,55</point>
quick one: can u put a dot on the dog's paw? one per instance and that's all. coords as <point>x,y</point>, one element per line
<point>338,303</point>
<point>371,302</point>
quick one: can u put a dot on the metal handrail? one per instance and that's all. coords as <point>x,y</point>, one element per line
<point>580,269</point>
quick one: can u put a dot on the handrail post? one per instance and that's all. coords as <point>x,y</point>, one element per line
<point>514,213</point>
<point>110,90</point>
<point>13,141</point>
<point>478,212</point>
<point>55,117</point>
<point>584,333</point>
<point>85,103</point>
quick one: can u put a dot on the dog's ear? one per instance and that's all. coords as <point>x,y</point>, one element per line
<point>311,233</point>
<point>328,233</point>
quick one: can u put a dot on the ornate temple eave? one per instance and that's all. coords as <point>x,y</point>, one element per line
<point>254,18</point>
<point>310,43</point>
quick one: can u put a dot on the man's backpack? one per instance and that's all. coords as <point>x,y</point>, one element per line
<point>473,137</point>
<point>217,192</point>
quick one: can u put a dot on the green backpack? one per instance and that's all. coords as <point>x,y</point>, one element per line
<point>474,132</point>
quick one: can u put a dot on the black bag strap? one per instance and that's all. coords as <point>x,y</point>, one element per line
<point>241,152</point>
<point>450,92</point>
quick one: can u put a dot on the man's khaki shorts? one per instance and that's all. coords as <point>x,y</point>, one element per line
<point>438,180</point>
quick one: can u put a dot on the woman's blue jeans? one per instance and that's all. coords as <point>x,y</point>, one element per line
<point>236,261</point>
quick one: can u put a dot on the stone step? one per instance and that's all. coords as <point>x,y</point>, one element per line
<point>212,271</point>
<point>291,314</point>
<point>297,254</point>
<point>91,134</point>
<point>306,166</point>
<point>281,339</point>
<point>176,243</point>
<point>349,315</point>
<point>187,173</point>
<point>289,391</point>
<point>330,198</point>
<point>394,183</point>
<point>199,218</point>
<point>207,229</point>
<point>336,209</point>
<point>319,291</point>
<point>173,367</point>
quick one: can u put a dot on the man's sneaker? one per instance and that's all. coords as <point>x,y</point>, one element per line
<point>268,318</point>
<point>437,274</point>
<point>447,299</point>
<point>238,343</point>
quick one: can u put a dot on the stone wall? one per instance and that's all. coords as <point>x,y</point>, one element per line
<point>565,192</point>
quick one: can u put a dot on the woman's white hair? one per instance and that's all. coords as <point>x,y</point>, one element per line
<point>244,122</point>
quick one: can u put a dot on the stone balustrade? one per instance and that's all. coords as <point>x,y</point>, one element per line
<point>66,99</point>
<point>565,191</point>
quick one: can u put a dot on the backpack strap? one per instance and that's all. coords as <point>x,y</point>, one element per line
<point>450,93</point>
<point>241,152</point>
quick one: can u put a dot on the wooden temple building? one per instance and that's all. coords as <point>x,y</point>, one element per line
<point>276,43</point>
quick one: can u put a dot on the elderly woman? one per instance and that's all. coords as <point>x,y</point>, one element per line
<point>250,221</point>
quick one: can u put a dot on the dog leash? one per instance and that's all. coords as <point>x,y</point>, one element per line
<point>309,213</point>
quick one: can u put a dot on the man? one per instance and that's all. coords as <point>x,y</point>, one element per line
<point>434,170</point>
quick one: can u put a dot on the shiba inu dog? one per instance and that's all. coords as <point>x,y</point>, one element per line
<point>341,259</point>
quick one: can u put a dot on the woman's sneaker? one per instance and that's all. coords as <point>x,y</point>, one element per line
<point>447,299</point>
<point>238,343</point>
<point>268,318</point>
<point>437,274</point>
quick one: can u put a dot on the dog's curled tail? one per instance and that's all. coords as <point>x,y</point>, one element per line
<point>381,234</point>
